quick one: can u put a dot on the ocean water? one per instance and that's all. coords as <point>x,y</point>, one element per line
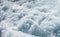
<point>29,18</point>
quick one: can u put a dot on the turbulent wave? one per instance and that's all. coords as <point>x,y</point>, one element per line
<point>29,18</point>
